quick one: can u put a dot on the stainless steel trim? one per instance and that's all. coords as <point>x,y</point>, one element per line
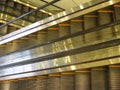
<point>52,48</point>
<point>90,56</point>
<point>63,69</point>
<point>53,20</point>
<point>68,61</point>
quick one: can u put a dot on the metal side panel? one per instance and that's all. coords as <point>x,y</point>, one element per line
<point>92,58</point>
<point>62,69</point>
<point>53,20</point>
<point>53,48</point>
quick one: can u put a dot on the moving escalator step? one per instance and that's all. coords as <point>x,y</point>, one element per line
<point>82,80</point>
<point>114,77</point>
<point>41,83</point>
<point>105,17</point>
<point>31,84</point>
<point>53,82</point>
<point>90,21</point>
<point>42,36</point>
<point>52,33</point>
<point>13,85</point>
<point>67,81</point>
<point>99,79</point>
<point>76,25</point>
<point>117,11</point>
<point>22,84</point>
<point>64,29</point>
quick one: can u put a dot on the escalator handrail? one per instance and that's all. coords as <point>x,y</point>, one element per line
<point>49,21</point>
<point>98,28</point>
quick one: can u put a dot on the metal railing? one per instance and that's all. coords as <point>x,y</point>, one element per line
<point>33,61</point>
<point>53,20</point>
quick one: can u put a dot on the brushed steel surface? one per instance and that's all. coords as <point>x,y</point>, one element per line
<point>67,61</point>
<point>52,48</point>
<point>67,68</point>
<point>70,62</point>
<point>53,20</point>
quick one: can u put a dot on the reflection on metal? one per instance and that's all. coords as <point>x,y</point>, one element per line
<point>58,18</point>
<point>57,62</point>
<point>54,48</point>
<point>62,69</point>
<point>64,61</point>
<point>79,60</point>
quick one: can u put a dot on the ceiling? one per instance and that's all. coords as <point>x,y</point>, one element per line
<point>59,6</point>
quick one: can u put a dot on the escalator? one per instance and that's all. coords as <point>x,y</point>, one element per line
<point>80,51</point>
